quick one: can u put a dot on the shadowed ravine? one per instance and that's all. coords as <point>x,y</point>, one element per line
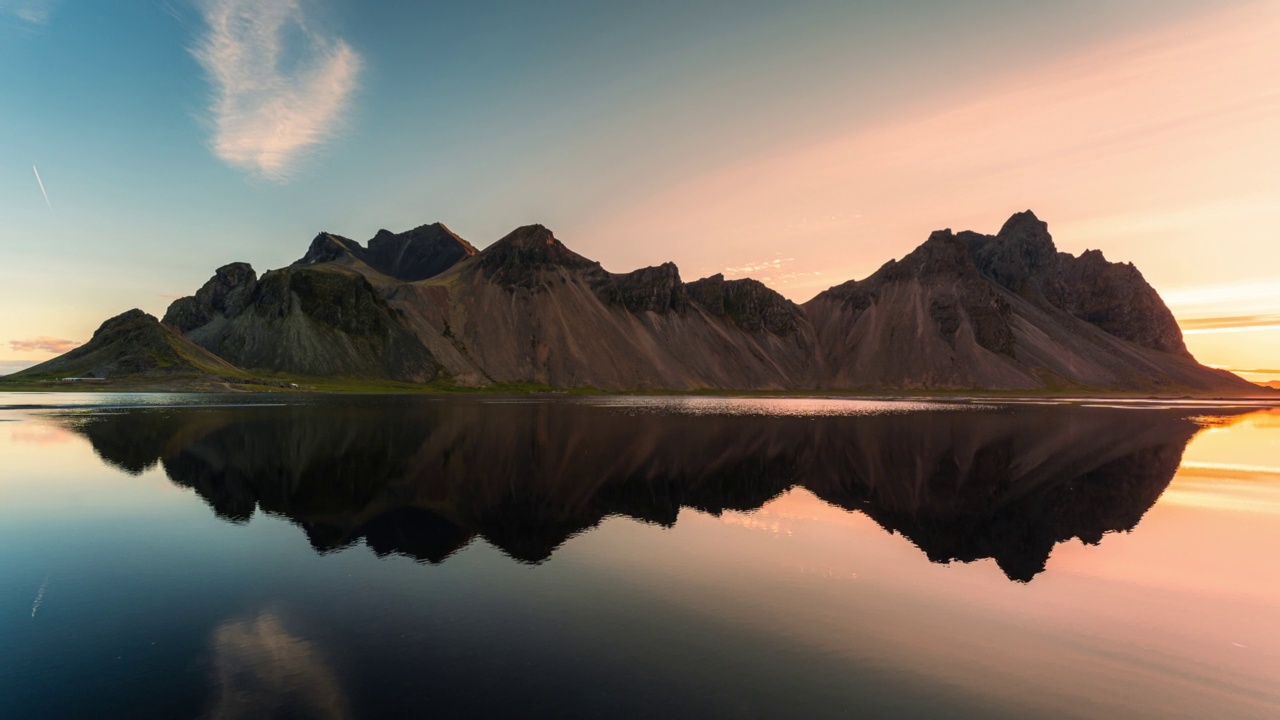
<point>424,478</point>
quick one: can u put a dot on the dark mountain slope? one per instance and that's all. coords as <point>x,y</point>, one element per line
<point>528,309</point>
<point>1111,296</point>
<point>971,311</point>
<point>310,320</point>
<point>133,344</point>
<point>929,320</point>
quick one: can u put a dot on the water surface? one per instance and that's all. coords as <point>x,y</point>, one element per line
<point>250,556</point>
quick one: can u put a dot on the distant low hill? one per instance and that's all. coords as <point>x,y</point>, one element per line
<point>964,312</point>
<point>135,343</point>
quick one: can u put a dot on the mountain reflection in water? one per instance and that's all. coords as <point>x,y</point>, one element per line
<point>424,478</point>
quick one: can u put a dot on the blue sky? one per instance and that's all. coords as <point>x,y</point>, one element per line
<point>175,136</point>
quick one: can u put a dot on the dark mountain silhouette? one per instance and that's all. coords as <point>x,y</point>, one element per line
<point>425,478</point>
<point>1005,311</point>
<point>420,253</point>
<point>964,311</point>
<point>528,309</point>
<point>310,320</point>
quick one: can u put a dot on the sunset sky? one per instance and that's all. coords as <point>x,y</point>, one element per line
<point>803,143</point>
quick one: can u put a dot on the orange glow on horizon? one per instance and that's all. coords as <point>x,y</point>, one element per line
<point>1153,148</point>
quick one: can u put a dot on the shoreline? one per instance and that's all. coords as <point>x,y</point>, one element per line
<point>339,387</point>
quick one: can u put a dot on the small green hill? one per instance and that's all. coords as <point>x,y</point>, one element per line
<point>133,343</point>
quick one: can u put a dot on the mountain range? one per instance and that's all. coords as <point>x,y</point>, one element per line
<point>963,311</point>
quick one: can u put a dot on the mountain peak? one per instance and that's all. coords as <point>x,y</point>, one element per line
<point>531,235</point>
<point>944,253</point>
<point>226,293</point>
<point>1024,219</point>
<point>1022,254</point>
<point>523,253</point>
<point>417,254</point>
<point>327,247</point>
<point>410,256</point>
<point>123,322</point>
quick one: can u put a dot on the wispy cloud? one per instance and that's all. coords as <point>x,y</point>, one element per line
<point>280,88</point>
<point>769,271</point>
<point>44,344</point>
<point>36,12</point>
<point>756,266</point>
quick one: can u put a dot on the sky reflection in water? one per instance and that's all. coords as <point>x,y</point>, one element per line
<point>463,557</point>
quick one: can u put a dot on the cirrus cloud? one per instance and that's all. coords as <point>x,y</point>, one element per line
<point>44,343</point>
<point>36,12</point>
<point>280,88</point>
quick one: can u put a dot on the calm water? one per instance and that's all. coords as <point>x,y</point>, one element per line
<point>235,557</point>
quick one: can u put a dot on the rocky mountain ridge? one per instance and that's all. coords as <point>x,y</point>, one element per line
<point>964,311</point>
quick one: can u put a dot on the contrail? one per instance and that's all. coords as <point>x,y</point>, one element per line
<point>41,183</point>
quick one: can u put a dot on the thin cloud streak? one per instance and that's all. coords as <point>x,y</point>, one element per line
<point>1230,322</point>
<point>273,100</point>
<point>42,190</point>
<point>44,343</point>
<point>1232,329</point>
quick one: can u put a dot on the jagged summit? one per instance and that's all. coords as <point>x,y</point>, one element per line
<point>968,309</point>
<point>533,239</point>
<point>410,256</point>
<point>327,247</point>
<point>1021,257</point>
<point>523,253</point>
<point>227,293</point>
<point>534,234</point>
<point>750,304</point>
<point>434,229</point>
<point>944,253</point>
<point>1027,225</point>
